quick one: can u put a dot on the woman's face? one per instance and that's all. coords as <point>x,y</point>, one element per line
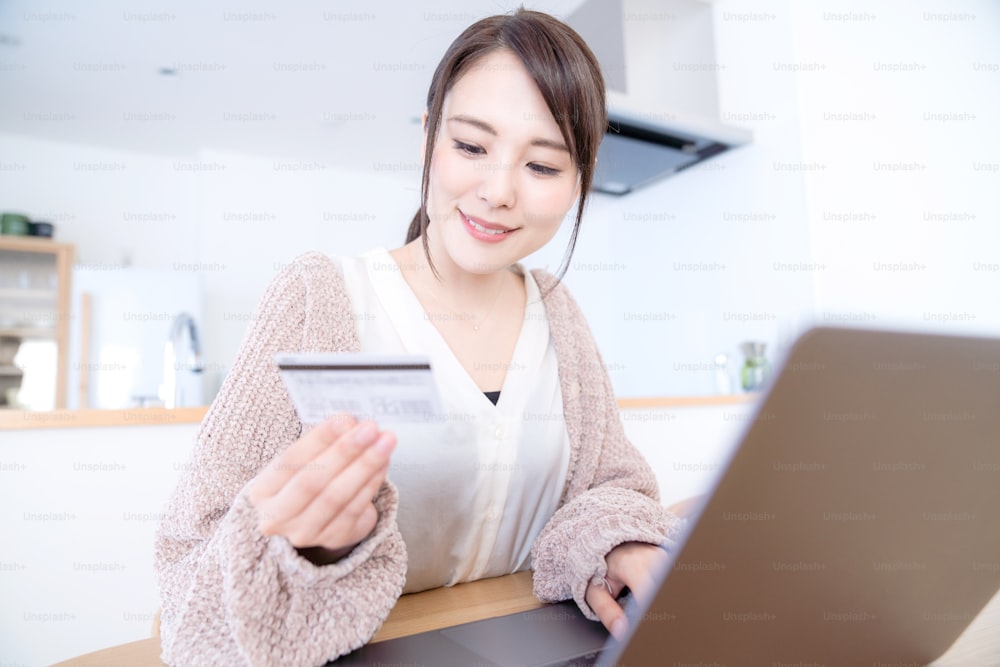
<point>501,177</point>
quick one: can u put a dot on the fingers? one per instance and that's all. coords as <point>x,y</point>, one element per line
<point>320,491</point>
<point>639,571</point>
<point>608,610</point>
<point>632,565</point>
<point>300,453</point>
<point>638,580</point>
<point>636,565</point>
<point>357,520</point>
<point>314,477</point>
<point>336,509</point>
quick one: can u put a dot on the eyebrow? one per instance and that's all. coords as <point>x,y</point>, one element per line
<point>486,127</point>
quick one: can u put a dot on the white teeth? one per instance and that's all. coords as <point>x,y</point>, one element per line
<point>487,231</point>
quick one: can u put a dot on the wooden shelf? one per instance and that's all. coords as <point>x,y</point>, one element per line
<point>27,419</point>
<point>27,294</point>
<point>29,332</point>
<point>33,244</point>
<point>58,301</point>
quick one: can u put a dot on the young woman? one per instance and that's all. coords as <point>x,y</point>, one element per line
<point>280,547</point>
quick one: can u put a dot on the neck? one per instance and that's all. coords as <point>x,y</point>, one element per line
<point>460,287</point>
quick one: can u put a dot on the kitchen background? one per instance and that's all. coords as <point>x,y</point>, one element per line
<point>867,196</point>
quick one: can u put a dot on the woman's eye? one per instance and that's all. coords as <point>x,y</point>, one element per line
<point>542,170</point>
<point>469,148</point>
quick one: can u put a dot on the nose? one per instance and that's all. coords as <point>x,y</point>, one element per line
<point>497,187</point>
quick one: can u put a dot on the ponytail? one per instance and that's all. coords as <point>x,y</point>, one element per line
<point>415,229</point>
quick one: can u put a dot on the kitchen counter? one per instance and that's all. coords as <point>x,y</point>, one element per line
<point>22,419</point>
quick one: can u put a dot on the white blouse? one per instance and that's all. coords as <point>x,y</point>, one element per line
<point>476,489</point>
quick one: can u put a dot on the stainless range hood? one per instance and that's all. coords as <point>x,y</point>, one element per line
<point>658,58</point>
<point>635,153</point>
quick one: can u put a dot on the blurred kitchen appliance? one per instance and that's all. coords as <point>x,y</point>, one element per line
<point>118,358</point>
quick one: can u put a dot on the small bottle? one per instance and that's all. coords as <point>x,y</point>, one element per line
<point>723,383</point>
<point>756,368</point>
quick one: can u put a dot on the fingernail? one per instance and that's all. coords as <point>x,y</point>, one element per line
<point>385,443</point>
<point>340,422</point>
<point>618,628</point>
<point>365,434</point>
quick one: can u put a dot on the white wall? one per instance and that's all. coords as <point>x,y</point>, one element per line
<point>686,447</point>
<point>639,271</point>
<point>694,254</point>
<point>231,220</point>
<point>133,219</point>
<point>742,247</point>
<point>79,507</point>
<point>258,214</point>
<point>117,207</point>
<point>901,116</point>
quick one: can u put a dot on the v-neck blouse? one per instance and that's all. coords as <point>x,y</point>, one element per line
<point>476,489</point>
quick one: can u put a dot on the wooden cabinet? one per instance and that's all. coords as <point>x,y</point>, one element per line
<point>35,279</point>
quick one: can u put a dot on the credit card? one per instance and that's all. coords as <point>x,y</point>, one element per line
<point>388,389</point>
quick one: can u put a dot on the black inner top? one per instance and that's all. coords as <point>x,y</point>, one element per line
<point>493,396</point>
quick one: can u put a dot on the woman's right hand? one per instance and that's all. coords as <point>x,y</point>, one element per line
<point>320,491</point>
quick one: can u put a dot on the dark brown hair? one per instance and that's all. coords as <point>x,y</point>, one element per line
<point>567,75</point>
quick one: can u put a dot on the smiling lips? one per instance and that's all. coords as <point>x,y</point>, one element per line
<point>485,231</point>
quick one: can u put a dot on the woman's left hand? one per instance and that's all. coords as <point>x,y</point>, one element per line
<point>633,565</point>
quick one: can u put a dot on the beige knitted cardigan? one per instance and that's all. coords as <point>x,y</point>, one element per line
<point>232,596</point>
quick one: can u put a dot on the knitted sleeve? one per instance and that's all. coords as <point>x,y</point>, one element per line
<point>611,496</point>
<point>230,595</point>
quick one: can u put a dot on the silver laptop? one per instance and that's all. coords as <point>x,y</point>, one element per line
<point>857,523</point>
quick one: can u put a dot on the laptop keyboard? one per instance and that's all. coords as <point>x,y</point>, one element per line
<point>583,661</point>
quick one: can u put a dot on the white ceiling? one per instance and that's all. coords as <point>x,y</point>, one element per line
<point>310,79</point>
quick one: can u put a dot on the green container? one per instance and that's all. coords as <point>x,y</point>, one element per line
<point>756,369</point>
<point>15,224</point>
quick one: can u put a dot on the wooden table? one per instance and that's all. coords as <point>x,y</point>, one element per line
<point>419,612</point>
<point>444,607</point>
